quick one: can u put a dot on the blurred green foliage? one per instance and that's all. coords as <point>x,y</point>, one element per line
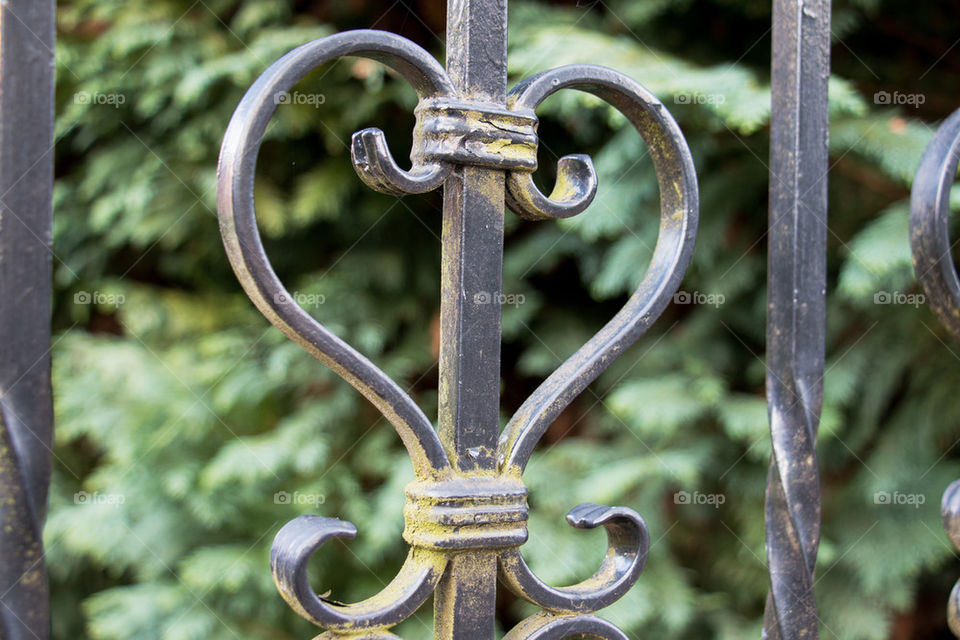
<point>182,414</point>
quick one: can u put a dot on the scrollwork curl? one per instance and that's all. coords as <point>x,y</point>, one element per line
<point>241,237</point>
<point>290,555</point>
<point>679,210</point>
<point>448,513</point>
<point>628,544</point>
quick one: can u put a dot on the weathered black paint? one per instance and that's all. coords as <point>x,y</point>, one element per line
<point>796,311</point>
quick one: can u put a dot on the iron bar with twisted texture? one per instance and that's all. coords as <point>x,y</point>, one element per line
<point>933,263</point>
<point>796,312</point>
<point>466,511</point>
<point>26,408</point>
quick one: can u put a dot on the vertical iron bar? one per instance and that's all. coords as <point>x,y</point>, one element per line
<point>26,412</point>
<point>796,309</point>
<point>473,249</point>
<point>472,241</point>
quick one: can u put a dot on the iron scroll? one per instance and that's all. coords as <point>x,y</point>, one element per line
<point>462,511</point>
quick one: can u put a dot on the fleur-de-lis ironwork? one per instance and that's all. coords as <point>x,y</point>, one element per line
<point>466,511</point>
<point>933,263</point>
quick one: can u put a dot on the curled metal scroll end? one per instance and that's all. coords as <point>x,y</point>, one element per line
<point>296,543</point>
<point>624,524</point>
<point>376,167</point>
<point>292,549</point>
<point>950,514</point>
<point>573,192</point>
<point>628,545</point>
<point>627,535</point>
<point>545,626</point>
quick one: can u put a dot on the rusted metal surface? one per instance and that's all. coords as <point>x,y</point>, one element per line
<point>466,512</point>
<point>26,412</point>
<point>933,263</point>
<point>796,310</point>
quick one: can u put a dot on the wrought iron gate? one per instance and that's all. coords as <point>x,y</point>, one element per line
<point>466,511</point>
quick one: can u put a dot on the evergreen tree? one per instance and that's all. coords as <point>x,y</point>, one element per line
<point>189,431</point>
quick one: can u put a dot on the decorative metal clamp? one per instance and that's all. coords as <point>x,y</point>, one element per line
<point>466,511</point>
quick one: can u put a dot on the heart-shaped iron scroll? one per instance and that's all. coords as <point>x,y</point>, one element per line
<point>933,263</point>
<point>626,531</point>
<point>238,224</point>
<point>450,512</point>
